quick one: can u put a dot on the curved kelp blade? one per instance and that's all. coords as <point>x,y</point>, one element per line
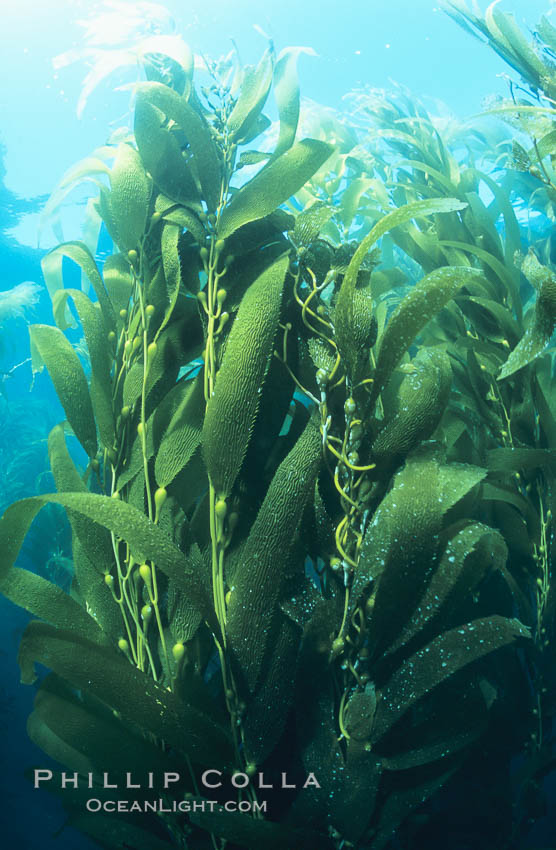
<point>184,618</point>
<point>183,434</point>
<point>539,331</point>
<point>420,403</point>
<point>146,540</point>
<point>268,708</point>
<point>441,658</point>
<point>51,266</point>
<point>512,239</point>
<point>509,41</point>
<point>263,642</point>
<point>232,408</point>
<point>286,92</point>
<point>344,307</point>
<point>81,172</point>
<point>49,602</point>
<point>92,550</point>
<point>182,216</point>
<point>173,350</point>
<point>55,747</point>
<point>507,275</point>
<point>468,556</point>
<point>129,198</point>
<point>419,306</point>
<point>80,254</point>
<point>259,581</point>
<point>530,346</point>
<point>400,545</point>
<point>89,588</point>
<point>172,273</point>
<point>514,459</point>
<point>161,154</point>
<point>50,348</point>
<point>98,736</point>
<point>96,337</point>
<point>253,93</point>
<point>274,184</point>
<point>345,798</point>
<point>118,281</point>
<point>352,198</point>
<point>204,166</point>
<point>110,677</point>
<point>309,223</point>
<point>356,341</point>
<point>175,48</point>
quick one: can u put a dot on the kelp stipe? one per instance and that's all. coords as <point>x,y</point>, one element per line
<point>308,477</point>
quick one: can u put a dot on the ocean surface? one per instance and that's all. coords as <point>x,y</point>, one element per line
<point>48,122</point>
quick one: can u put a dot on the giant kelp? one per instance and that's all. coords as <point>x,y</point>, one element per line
<point>319,488</point>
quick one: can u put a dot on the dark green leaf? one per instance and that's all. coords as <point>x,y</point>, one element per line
<point>108,675</point>
<point>411,315</point>
<point>130,196</point>
<point>388,222</point>
<point>96,337</point>
<point>204,157</point>
<point>258,583</point>
<point>232,408</point>
<point>50,347</point>
<point>255,87</point>
<point>441,658</point>
<point>274,184</point>
<point>49,602</point>
<point>183,434</point>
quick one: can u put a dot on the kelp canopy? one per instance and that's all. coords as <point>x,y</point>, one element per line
<point>315,527</point>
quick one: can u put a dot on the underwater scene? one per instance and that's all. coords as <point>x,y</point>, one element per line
<point>278,425</point>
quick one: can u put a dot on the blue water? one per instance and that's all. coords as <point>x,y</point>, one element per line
<point>358,42</point>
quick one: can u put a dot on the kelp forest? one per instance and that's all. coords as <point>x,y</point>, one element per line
<point>308,461</point>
